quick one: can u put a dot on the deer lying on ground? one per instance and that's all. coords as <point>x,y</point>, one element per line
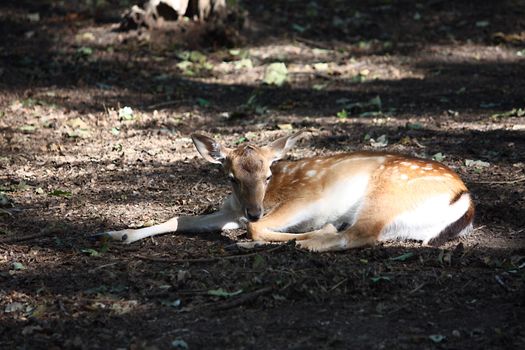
<point>328,203</point>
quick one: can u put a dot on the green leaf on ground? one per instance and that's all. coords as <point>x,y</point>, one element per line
<point>203,102</point>
<point>319,87</point>
<point>285,126</point>
<point>258,262</point>
<point>197,57</point>
<point>244,63</point>
<point>298,28</point>
<point>476,163</point>
<point>14,307</point>
<point>414,126</point>
<point>375,102</point>
<point>436,338</point>
<point>382,141</point>
<point>275,74</point>
<point>61,193</point>
<point>179,344</point>
<point>28,129</point>
<point>370,114</point>
<point>125,113</point>
<point>223,293</point>
<point>321,66</point>
<point>380,278</point>
<point>403,257</point>
<point>171,303</point>
<point>18,266</point>
<point>4,200</point>
<point>342,114</point>
<point>438,157</point>
<point>482,24</point>
<point>84,51</point>
<point>79,128</point>
<point>90,252</point>
<point>515,112</point>
<point>241,140</point>
<point>185,67</point>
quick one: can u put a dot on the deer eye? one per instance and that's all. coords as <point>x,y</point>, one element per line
<point>268,178</point>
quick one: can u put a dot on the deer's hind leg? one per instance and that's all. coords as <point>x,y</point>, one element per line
<point>352,237</point>
<point>275,226</point>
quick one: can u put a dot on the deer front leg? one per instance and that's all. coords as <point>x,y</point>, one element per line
<point>227,218</point>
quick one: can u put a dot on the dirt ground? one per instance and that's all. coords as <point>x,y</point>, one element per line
<point>442,79</point>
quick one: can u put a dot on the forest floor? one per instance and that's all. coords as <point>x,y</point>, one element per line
<point>437,79</point>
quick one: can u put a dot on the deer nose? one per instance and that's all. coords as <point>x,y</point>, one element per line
<point>253,214</point>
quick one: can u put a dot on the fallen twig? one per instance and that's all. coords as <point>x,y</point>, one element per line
<point>501,283</point>
<point>242,299</point>
<point>417,288</point>
<point>210,259</point>
<point>338,284</point>
<point>165,104</point>
<point>25,238</point>
<point>5,211</point>
<point>102,266</point>
<point>519,179</point>
<point>314,43</point>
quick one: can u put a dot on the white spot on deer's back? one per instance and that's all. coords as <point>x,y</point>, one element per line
<point>311,173</point>
<point>414,166</point>
<point>404,177</point>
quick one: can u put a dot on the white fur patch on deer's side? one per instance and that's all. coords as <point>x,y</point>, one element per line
<point>427,219</point>
<point>337,204</point>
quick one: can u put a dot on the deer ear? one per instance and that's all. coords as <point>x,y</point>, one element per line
<point>280,146</point>
<point>210,149</point>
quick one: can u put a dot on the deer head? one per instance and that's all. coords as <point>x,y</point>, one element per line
<point>247,168</point>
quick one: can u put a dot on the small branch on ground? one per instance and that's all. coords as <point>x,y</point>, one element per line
<point>25,238</point>
<point>519,179</point>
<point>242,299</point>
<point>210,259</point>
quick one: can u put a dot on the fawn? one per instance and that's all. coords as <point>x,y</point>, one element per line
<point>328,203</point>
